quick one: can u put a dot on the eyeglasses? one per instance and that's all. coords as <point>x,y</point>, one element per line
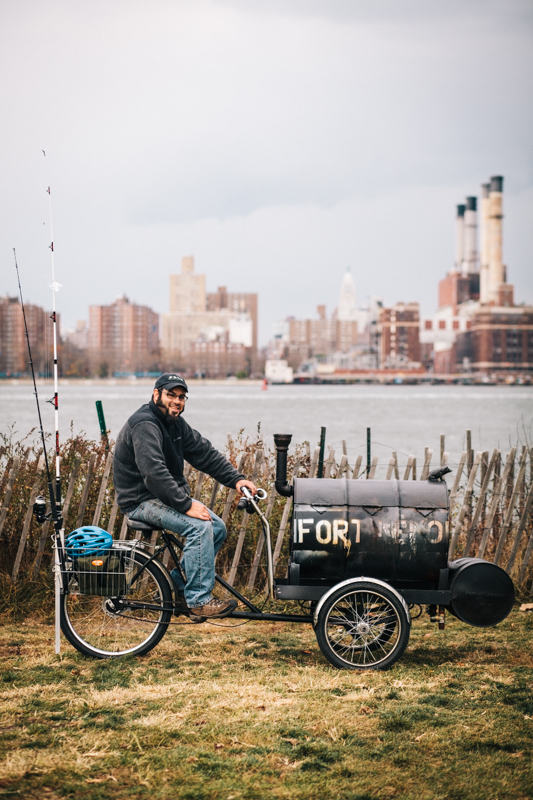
<point>182,397</point>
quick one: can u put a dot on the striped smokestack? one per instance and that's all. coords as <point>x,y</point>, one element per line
<point>459,237</point>
<point>470,262</point>
<point>484,254</point>
<point>496,269</point>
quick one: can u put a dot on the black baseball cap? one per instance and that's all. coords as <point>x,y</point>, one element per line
<point>170,380</point>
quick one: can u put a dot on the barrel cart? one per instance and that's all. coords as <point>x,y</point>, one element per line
<point>361,554</point>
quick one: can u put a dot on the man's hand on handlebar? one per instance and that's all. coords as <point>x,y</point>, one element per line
<point>198,511</point>
<point>248,484</point>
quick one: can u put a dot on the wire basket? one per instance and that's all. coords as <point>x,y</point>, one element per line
<point>106,573</point>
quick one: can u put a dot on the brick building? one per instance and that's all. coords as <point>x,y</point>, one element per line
<point>399,328</point>
<point>499,340</point>
<point>313,338</point>
<point>123,337</point>
<point>218,359</point>
<point>225,320</point>
<point>14,359</point>
<point>477,327</point>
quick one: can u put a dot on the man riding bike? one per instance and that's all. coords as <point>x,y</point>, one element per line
<point>148,474</point>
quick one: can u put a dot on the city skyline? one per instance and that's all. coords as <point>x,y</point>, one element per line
<point>277,142</point>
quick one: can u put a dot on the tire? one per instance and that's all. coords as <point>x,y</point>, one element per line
<point>98,626</point>
<point>363,625</point>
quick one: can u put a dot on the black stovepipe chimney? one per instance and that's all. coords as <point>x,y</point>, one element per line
<point>282,442</point>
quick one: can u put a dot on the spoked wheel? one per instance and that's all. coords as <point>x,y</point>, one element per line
<point>108,627</point>
<point>363,625</point>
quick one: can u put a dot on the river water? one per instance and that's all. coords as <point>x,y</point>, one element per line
<point>401,418</point>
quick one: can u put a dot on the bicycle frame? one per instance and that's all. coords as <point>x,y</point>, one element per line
<point>254,613</point>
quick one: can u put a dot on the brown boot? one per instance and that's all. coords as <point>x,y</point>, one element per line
<point>181,607</point>
<point>214,609</point>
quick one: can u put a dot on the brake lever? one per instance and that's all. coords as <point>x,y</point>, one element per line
<point>248,502</point>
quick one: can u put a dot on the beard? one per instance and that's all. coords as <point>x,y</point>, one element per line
<point>170,419</point>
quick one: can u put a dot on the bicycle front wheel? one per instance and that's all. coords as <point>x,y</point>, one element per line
<point>109,627</point>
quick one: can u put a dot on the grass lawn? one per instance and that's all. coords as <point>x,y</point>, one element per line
<point>256,712</point>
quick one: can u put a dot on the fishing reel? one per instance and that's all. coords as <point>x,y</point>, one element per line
<point>246,504</point>
<point>39,509</point>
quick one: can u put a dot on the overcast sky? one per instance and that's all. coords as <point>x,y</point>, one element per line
<point>277,141</point>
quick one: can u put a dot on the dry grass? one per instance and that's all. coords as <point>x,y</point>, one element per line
<point>255,712</point>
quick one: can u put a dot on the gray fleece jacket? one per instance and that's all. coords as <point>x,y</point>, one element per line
<point>149,455</point>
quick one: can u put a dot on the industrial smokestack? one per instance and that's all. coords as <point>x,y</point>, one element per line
<point>484,296</point>
<point>496,269</point>
<point>470,236</point>
<point>459,238</point>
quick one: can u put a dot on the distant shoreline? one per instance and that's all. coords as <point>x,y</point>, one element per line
<point>403,380</point>
<point>128,381</point>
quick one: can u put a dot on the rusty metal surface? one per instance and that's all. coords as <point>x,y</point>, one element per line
<point>393,530</point>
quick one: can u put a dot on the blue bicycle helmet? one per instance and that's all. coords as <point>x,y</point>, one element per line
<point>88,541</point>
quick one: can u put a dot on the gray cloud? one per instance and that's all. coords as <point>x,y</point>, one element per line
<point>279,139</point>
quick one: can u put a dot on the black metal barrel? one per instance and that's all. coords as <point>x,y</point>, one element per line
<point>392,530</point>
<point>482,594</point>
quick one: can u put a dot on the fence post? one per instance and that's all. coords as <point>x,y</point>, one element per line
<point>408,467</point>
<point>314,463</point>
<point>86,489</point>
<point>198,488</point>
<point>466,504</point>
<point>526,558</point>
<point>373,468</point>
<point>469,451</point>
<point>9,491</point>
<point>427,461</point>
<point>232,492</point>
<point>283,524</point>
<point>64,511</point>
<point>329,463</point>
<point>123,529</point>
<point>457,481</point>
<point>357,468</point>
<point>343,466</point>
<point>246,516</point>
<point>27,519</point>
<point>113,515</point>
<point>214,492</point>
<point>480,502</point>
<point>510,508</point>
<point>322,446</point>
<point>497,491</point>
<point>103,487</point>
<point>521,526</point>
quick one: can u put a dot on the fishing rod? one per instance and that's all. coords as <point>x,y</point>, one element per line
<point>55,400</point>
<point>54,491</point>
<point>39,507</point>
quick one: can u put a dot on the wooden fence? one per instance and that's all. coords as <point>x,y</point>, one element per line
<point>491,501</point>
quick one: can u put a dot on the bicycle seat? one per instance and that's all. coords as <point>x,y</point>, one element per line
<point>136,525</point>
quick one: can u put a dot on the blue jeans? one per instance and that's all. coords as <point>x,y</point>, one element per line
<point>203,540</point>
